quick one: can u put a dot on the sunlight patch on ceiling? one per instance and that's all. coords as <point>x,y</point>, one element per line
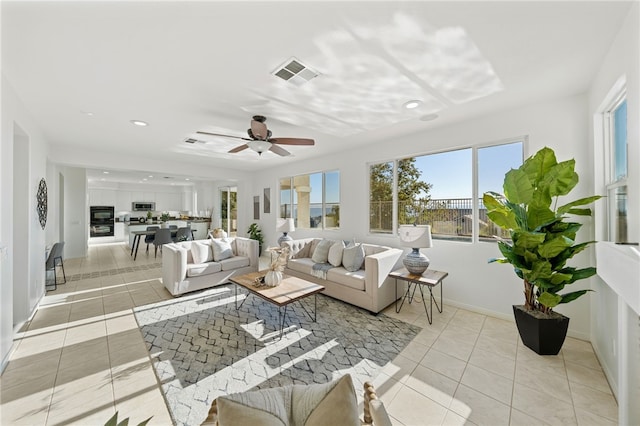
<point>369,72</point>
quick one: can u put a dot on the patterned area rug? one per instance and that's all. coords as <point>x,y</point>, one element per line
<point>202,347</point>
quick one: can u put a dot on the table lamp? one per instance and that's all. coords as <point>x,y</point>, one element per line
<point>285,226</point>
<point>416,237</point>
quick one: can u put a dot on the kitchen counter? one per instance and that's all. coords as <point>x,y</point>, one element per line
<point>200,227</point>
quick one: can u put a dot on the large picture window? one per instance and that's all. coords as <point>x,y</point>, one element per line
<point>439,190</point>
<point>312,200</point>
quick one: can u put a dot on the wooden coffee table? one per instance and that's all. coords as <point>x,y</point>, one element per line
<point>291,289</point>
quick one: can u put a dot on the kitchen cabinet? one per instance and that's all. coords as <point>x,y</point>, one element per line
<point>123,201</point>
<point>118,231</point>
<point>102,197</point>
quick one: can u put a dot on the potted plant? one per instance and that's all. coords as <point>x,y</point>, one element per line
<point>542,241</point>
<point>149,218</point>
<point>256,234</point>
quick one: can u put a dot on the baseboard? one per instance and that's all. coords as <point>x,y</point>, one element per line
<point>613,380</point>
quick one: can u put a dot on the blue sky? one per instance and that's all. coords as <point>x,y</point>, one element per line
<point>450,172</point>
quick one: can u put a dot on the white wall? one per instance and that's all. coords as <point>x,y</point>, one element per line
<point>76,220</point>
<point>615,336</point>
<point>560,124</point>
<point>15,116</point>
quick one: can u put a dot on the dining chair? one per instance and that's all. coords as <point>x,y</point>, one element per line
<point>183,234</point>
<point>163,236</point>
<point>148,239</point>
<point>54,260</point>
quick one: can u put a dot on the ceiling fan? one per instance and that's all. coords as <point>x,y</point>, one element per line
<point>260,139</point>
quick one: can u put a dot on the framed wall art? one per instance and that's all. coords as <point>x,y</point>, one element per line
<point>267,200</point>
<point>256,207</point>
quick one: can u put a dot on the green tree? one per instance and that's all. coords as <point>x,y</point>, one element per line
<point>413,193</point>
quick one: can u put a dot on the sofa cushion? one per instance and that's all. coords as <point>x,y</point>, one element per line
<point>333,403</point>
<point>221,249</point>
<point>201,252</point>
<point>305,251</point>
<point>353,257</point>
<point>321,253</point>
<point>304,265</point>
<point>314,244</point>
<point>354,280</point>
<point>234,262</point>
<point>198,269</point>
<point>335,253</point>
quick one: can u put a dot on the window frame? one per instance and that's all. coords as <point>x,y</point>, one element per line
<point>322,226</point>
<point>611,182</point>
<point>475,237</point>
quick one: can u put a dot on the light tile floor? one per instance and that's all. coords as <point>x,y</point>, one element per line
<point>82,357</point>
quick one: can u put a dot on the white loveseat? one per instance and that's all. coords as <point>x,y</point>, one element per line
<point>180,274</point>
<point>369,287</point>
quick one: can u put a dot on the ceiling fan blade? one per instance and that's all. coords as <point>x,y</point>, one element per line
<point>259,130</point>
<point>292,141</point>
<point>280,151</point>
<point>239,148</point>
<point>224,136</point>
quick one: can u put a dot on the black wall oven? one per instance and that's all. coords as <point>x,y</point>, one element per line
<point>101,221</point>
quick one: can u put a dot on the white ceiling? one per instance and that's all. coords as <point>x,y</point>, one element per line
<point>184,67</point>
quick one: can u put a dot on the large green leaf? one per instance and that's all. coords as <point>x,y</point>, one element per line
<point>499,213</point>
<point>554,247</point>
<point>540,269</point>
<point>559,278</point>
<point>539,164</point>
<point>517,187</point>
<point>549,300</point>
<point>570,297</point>
<point>581,274</point>
<point>560,179</point>
<point>580,212</point>
<point>581,202</point>
<point>527,240</point>
<point>508,252</point>
<point>539,215</point>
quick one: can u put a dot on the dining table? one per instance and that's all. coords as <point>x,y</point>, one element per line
<point>137,235</point>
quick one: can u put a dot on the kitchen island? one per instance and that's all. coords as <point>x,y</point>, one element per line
<point>200,227</point>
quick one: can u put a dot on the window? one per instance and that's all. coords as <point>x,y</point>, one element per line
<point>313,200</point>
<point>438,190</point>
<point>616,138</point>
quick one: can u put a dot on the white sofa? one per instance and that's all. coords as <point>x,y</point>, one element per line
<point>368,287</point>
<point>181,275</point>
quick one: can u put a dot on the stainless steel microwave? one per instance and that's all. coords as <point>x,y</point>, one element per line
<point>143,206</point>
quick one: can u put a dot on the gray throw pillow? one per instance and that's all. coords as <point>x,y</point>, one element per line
<point>353,257</point>
<point>221,249</point>
<point>321,253</point>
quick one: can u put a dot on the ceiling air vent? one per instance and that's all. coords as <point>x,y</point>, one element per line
<point>294,71</point>
<point>194,141</point>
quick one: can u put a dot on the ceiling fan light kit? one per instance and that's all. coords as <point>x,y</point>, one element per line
<point>260,139</point>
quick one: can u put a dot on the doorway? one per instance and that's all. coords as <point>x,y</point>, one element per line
<point>229,209</point>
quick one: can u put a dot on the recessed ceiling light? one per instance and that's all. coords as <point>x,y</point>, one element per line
<point>87,113</point>
<point>106,173</point>
<point>150,176</point>
<point>187,179</point>
<point>412,104</point>
<point>144,179</point>
<point>429,117</point>
<point>139,123</point>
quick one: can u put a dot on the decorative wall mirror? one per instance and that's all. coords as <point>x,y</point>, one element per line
<point>42,202</point>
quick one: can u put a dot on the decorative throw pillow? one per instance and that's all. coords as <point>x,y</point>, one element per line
<point>335,253</point>
<point>353,257</point>
<point>201,252</point>
<point>332,403</point>
<point>221,249</point>
<point>314,244</point>
<point>303,252</point>
<point>321,253</point>
<point>268,407</point>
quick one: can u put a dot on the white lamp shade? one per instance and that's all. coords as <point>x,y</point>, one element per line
<point>415,236</point>
<point>285,225</point>
<point>259,146</point>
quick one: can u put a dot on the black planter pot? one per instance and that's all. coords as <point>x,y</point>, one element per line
<point>544,336</point>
